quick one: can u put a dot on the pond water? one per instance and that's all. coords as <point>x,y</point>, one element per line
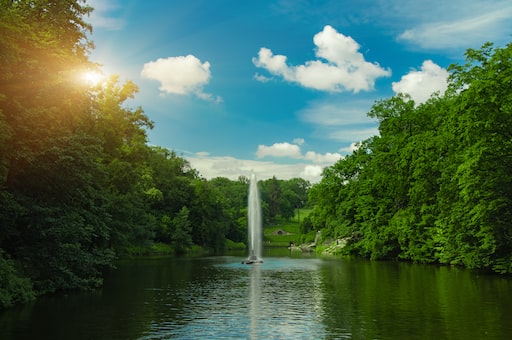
<point>285,297</point>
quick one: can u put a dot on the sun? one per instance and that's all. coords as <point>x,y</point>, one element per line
<point>93,78</point>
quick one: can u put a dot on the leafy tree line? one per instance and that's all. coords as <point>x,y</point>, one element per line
<point>79,184</point>
<point>435,185</point>
<point>280,198</point>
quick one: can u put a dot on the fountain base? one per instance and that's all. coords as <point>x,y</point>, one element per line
<point>249,261</point>
<point>252,260</point>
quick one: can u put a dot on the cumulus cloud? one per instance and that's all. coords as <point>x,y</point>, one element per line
<point>308,166</point>
<point>340,66</point>
<point>312,172</point>
<point>279,150</point>
<point>327,158</point>
<point>230,167</point>
<point>293,151</point>
<point>180,75</point>
<point>351,148</point>
<point>421,84</point>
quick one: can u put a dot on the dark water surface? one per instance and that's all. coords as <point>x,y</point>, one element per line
<point>283,298</point>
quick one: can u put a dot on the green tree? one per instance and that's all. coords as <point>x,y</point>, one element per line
<point>182,233</point>
<point>13,287</point>
<point>54,203</point>
<point>475,219</point>
<point>271,196</point>
<point>232,196</point>
<point>43,46</point>
<point>209,217</point>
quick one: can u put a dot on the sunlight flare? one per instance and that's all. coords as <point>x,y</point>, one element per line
<point>92,77</point>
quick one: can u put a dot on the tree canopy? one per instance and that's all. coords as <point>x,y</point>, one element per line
<point>435,184</point>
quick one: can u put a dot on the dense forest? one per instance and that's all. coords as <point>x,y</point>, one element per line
<point>435,186</point>
<point>79,183</point>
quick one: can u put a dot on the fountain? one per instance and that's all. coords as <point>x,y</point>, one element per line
<point>254,219</point>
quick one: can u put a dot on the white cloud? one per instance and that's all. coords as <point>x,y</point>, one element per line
<point>287,150</point>
<point>261,78</point>
<point>226,166</point>
<point>340,66</point>
<point>457,24</point>
<point>310,169</point>
<point>327,158</point>
<point>420,85</point>
<point>279,150</point>
<point>180,75</point>
<point>313,172</point>
<point>350,149</point>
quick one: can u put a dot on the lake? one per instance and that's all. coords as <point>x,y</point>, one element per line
<point>286,297</point>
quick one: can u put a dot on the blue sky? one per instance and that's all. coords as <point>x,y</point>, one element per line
<point>282,87</point>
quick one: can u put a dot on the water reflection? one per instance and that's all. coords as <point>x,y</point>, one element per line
<point>390,300</point>
<point>274,300</point>
<point>284,299</point>
<point>300,298</point>
<point>254,299</point>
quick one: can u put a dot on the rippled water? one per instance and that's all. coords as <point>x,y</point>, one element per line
<point>277,299</point>
<point>283,298</point>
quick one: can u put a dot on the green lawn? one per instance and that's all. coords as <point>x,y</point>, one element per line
<point>291,230</point>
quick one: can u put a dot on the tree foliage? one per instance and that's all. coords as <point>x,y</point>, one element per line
<point>79,184</point>
<point>282,197</point>
<point>435,184</point>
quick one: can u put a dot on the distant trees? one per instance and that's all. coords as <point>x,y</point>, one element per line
<point>435,185</point>
<point>282,197</point>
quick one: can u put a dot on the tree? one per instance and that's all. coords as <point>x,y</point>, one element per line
<point>43,45</point>
<point>55,208</point>
<point>475,219</point>
<point>271,196</point>
<point>232,196</point>
<point>13,287</point>
<point>182,234</point>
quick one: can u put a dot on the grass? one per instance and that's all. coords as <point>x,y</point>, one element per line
<point>230,245</point>
<point>291,227</point>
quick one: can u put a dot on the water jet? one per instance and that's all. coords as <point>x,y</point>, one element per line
<point>254,223</point>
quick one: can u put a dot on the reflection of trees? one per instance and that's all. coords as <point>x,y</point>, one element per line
<point>366,300</point>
